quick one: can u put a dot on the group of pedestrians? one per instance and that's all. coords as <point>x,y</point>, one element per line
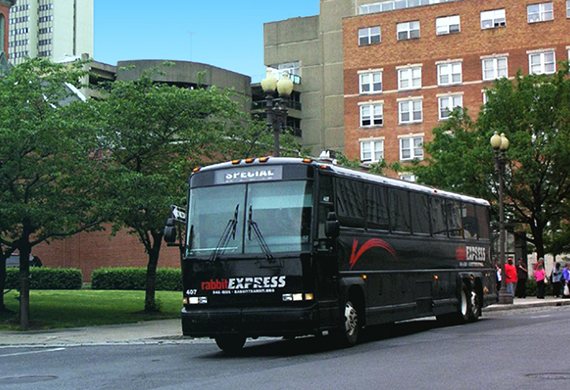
<point>516,278</point>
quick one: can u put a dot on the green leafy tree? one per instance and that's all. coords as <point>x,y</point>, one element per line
<point>534,113</point>
<point>155,134</point>
<point>48,168</point>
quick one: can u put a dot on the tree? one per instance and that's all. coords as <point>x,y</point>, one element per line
<point>155,134</point>
<point>534,112</point>
<point>48,169</point>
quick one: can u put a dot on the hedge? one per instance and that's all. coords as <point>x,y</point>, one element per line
<point>47,278</point>
<point>129,278</point>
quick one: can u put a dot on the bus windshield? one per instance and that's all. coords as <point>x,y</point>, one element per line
<point>255,218</point>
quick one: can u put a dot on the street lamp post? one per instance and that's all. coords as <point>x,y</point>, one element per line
<point>500,144</point>
<point>276,115</point>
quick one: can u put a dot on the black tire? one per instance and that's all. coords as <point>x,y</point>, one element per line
<point>351,324</point>
<point>230,343</point>
<point>464,310</point>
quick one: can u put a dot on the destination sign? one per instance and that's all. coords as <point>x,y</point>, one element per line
<point>239,175</point>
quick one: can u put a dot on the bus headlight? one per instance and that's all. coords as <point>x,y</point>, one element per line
<point>297,297</point>
<point>195,300</point>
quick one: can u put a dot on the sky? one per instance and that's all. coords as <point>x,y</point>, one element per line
<point>223,33</point>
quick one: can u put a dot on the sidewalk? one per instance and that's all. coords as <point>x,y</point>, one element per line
<point>169,331</point>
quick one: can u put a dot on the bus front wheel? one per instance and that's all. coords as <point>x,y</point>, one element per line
<point>230,343</point>
<point>351,324</point>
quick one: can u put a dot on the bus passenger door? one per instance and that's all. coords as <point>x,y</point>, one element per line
<point>326,258</point>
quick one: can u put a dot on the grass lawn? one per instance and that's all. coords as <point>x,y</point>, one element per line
<point>52,309</point>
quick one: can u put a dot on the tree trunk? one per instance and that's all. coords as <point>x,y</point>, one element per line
<point>25,251</point>
<point>153,256</point>
<point>3,258</point>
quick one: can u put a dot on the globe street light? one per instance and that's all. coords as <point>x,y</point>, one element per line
<point>500,144</point>
<point>276,115</point>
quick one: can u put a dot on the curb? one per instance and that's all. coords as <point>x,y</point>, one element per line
<point>527,305</point>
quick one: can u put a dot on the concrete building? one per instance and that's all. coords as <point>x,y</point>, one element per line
<point>4,24</point>
<point>56,29</point>
<point>406,68</point>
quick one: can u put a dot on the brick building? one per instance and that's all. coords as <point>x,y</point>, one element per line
<point>4,23</point>
<point>405,68</point>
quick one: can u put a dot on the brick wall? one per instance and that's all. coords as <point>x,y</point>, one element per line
<point>516,39</point>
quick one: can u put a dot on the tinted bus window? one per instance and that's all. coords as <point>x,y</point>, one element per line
<point>377,207</point>
<point>438,224</point>
<point>350,202</point>
<point>483,221</point>
<point>325,204</point>
<point>399,211</point>
<point>454,215</point>
<point>470,222</point>
<point>420,213</point>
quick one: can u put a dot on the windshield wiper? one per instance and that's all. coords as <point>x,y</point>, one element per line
<point>229,231</point>
<point>252,226</point>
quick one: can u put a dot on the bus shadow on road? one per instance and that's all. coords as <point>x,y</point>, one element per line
<point>309,345</point>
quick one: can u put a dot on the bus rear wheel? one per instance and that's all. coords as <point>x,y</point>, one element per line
<point>230,343</point>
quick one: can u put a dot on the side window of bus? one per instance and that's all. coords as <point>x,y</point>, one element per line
<point>420,213</point>
<point>399,211</point>
<point>470,222</point>
<point>377,207</point>
<point>483,221</point>
<point>350,202</point>
<point>438,224</point>
<point>326,204</point>
<point>454,218</point>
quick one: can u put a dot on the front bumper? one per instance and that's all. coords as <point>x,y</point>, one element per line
<point>249,321</point>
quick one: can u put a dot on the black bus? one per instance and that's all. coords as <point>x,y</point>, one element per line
<point>289,247</point>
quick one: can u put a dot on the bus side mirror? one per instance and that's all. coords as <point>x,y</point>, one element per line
<point>170,231</point>
<point>332,226</point>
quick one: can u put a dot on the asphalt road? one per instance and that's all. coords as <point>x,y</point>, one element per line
<point>522,349</point>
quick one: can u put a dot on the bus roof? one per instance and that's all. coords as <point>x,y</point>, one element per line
<point>347,172</point>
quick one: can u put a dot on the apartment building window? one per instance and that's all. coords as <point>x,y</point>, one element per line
<point>408,177</point>
<point>449,73</point>
<point>369,36</point>
<point>542,63</point>
<point>412,147</point>
<point>568,9</point>
<point>410,78</point>
<point>410,111</point>
<point>371,115</point>
<point>371,150</point>
<point>539,12</point>
<point>448,104</point>
<point>370,82</point>
<point>447,25</point>
<point>408,30</point>
<point>493,19</point>
<point>494,68</point>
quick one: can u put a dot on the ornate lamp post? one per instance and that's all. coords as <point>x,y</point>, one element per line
<point>276,115</point>
<point>500,144</point>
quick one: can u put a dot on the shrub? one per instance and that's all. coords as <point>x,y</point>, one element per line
<point>127,278</point>
<point>47,278</point>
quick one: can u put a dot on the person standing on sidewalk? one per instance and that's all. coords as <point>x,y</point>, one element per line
<point>522,276</point>
<point>540,275</point>
<point>511,276</point>
<point>556,279</point>
<point>566,281</point>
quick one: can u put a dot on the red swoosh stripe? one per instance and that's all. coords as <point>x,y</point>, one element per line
<point>373,243</point>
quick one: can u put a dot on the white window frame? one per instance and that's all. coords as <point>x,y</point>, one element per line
<point>568,8</point>
<point>493,19</point>
<point>544,62</point>
<point>410,111</point>
<point>411,147</point>
<point>372,150</point>
<point>449,73</point>
<point>448,25</point>
<point>494,68</point>
<point>370,36</point>
<point>408,30</point>
<point>372,114</point>
<point>541,12</point>
<point>447,104</point>
<point>370,82</point>
<point>410,78</point>
<point>406,176</point>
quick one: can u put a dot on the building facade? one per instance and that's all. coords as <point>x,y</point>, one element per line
<point>408,63</point>
<point>4,24</point>
<point>56,29</point>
